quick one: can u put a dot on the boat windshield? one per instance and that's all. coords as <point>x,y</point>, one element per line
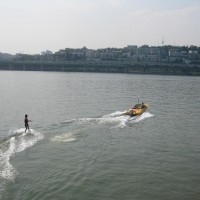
<point>138,106</point>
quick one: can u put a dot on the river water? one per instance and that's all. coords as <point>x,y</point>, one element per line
<point>81,146</point>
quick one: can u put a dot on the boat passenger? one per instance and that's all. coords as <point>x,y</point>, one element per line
<point>143,106</point>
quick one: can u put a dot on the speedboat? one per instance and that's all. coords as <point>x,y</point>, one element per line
<point>138,109</point>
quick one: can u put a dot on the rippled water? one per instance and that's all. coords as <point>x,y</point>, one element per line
<point>81,146</point>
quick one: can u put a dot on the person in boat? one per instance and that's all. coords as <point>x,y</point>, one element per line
<point>26,121</point>
<point>143,106</point>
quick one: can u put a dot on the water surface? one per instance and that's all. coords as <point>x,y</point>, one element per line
<point>82,147</point>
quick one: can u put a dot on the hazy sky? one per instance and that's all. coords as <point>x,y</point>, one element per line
<point>32,26</point>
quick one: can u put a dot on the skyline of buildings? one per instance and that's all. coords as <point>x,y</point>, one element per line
<point>130,53</point>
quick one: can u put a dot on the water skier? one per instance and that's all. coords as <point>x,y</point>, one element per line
<point>26,121</point>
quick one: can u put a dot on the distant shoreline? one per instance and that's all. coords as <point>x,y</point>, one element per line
<point>103,67</point>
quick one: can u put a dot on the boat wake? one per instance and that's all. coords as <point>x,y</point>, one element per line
<point>64,137</point>
<point>18,141</point>
<point>117,117</point>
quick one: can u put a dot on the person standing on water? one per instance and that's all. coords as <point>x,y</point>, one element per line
<point>26,123</point>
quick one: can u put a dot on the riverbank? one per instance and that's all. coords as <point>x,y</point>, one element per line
<point>103,67</point>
